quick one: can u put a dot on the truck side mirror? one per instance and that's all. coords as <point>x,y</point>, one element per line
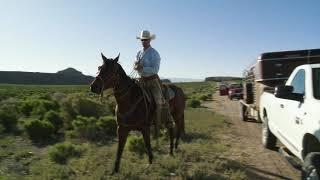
<point>286,92</point>
<point>283,91</point>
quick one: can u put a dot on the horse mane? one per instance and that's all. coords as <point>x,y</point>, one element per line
<point>122,73</point>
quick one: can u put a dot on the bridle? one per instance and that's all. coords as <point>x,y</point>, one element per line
<point>108,80</point>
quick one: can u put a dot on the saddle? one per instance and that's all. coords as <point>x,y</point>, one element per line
<point>167,92</point>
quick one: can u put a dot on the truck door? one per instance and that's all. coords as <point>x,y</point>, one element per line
<point>295,112</point>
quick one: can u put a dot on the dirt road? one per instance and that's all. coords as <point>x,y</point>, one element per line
<point>244,140</point>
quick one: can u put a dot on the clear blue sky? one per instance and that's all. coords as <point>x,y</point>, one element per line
<point>195,39</point>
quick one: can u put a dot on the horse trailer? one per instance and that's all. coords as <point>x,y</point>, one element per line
<point>269,70</point>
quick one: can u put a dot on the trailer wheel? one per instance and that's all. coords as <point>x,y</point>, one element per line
<point>243,114</point>
<point>269,140</point>
<point>311,166</point>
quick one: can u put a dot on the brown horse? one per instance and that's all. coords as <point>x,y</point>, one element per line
<point>133,108</point>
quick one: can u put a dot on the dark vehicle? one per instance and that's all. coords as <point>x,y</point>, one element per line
<point>223,90</point>
<point>235,91</point>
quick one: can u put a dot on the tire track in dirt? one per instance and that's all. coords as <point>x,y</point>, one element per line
<point>244,139</point>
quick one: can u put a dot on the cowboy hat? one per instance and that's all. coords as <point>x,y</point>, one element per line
<point>146,35</point>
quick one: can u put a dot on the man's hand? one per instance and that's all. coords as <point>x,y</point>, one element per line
<point>137,66</point>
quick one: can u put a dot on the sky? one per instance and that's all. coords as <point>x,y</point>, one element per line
<point>195,38</point>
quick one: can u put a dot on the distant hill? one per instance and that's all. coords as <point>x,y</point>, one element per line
<point>69,76</point>
<point>165,81</point>
<point>222,78</point>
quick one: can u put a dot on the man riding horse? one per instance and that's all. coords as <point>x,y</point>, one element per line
<point>147,64</point>
<point>133,108</point>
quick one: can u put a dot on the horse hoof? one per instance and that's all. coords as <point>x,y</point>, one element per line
<point>114,173</point>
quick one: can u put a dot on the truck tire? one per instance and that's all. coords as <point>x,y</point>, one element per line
<point>311,166</point>
<point>243,113</point>
<point>269,140</point>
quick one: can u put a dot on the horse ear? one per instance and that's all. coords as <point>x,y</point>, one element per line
<point>117,58</point>
<point>103,57</point>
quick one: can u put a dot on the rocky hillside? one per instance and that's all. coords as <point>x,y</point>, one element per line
<point>68,76</point>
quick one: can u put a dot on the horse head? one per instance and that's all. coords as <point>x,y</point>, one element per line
<point>107,75</point>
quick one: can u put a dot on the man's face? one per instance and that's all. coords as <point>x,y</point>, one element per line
<point>145,42</point>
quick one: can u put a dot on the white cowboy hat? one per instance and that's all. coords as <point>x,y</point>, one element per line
<point>146,35</point>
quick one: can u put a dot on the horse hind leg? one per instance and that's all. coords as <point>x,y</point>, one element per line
<point>169,126</point>
<point>171,139</point>
<point>146,138</point>
<point>122,136</point>
<point>178,131</point>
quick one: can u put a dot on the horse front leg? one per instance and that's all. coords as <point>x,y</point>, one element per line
<point>146,138</point>
<point>122,137</point>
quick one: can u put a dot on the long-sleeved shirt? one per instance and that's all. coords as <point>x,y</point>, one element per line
<point>149,59</point>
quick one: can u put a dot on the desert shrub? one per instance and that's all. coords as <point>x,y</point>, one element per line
<point>203,97</point>
<point>8,120</point>
<point>77,104</point>
<point>41,95</point>
<point>9,114</point>
<point>94,129</point>
<point>38,107</point>
<point>67,112</point>
<point>112,106</point>
<point>107,126</point>
<point>193,103</point>
<point>86,127</point>
<point>3,96</point>
<point>38,111</point>
<point>136,144</point>
<point>2,129</point>
<point>87,107</point>
<point>58,96</point>
<point>54,118</point>
<point>61,152</point>
<point>26,107</point>
<point>38,130</point>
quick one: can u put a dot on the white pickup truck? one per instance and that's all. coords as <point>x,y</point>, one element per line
<point>291,114</point>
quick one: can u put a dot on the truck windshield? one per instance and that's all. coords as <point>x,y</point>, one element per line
<point>316,82</point>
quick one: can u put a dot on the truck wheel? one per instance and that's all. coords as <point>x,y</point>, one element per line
<point>269,140</point>
<point>311,166</point>
<point>243,114</point>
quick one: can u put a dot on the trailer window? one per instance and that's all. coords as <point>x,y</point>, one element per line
<point>298,82</point>
<point>233,86</point>
<point>316,82</point>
